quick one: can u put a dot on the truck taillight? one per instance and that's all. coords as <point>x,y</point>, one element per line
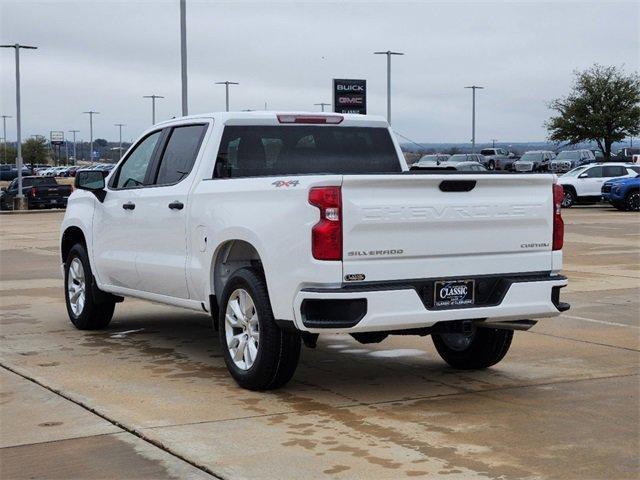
<point>33,192</point>
<point>326,235</point>
<point>558,223</point>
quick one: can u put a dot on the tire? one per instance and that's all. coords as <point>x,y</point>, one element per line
<point>632,201</point>
<point>269,355</point>
<point>569,199</point>
<point>483,348</point>
<point>491,165</point>
<point>88,314</point>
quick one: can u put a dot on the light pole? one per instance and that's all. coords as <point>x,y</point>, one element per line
<point>388,53</point>
<point>153,106</point>
<point>226,84</point>
<point>322,105</point>
<point>17,48</point>
<point>493,142</point>
<point>183,56</point>
<point>75,158</point>
<point>473,116</point>
<point>120,125</point>
<point>91,113</point>
<point>4,134</point>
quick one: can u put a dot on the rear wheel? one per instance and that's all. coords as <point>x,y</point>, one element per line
<point>86,312</point>
<point>478,349</point>
<point>632,202</point>
<point>258,353</point>
<point>491,165</point>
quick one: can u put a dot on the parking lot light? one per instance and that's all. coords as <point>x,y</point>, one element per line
<point>120,125</point>
<point>153,106</point>
<point>473,116</point>
<point>226,84</point>
<point>75,156</point>
<point>388,53</point>
<point>91,113</point>
<point>17,48</point>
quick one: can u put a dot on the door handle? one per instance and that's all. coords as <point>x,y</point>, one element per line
<point>128,206</point>
<point>176,205</point>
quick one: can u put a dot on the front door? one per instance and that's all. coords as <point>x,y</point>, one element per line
<point>117,230</point>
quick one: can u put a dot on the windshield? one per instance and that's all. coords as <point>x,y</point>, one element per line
<point>487,152</point>
<point>460,157</point>
<point>575,172</point>
<point>531,157</point>
<point>431,158</point>
<point>250,151</point>
<point>568,156</point>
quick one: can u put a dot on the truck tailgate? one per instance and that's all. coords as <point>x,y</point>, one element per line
<point>415,226</point>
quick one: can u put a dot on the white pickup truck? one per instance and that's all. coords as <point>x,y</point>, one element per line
<point>286,226</point>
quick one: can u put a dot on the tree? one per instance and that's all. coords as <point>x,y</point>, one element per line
<point>11,154</point>
<point>603,106</point>
<point>34,150</point>
<point>100,142</point>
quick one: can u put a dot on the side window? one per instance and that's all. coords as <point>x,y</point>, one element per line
<point>180,154</point>
<point>614,171</point>
<point>595,172</point>
<point>134,168</point>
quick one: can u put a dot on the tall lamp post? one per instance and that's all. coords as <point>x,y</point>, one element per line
<point>120,125</point>
<point>322,105</point>
<point>226,84</point>
<point>17,47</point>
<point>183,56</point>
<point>473,116</point>
<point>153,106</point>
<point>75,157</point>
<point>91,113</point>
<point>4,134</point>
<point>388,53</point>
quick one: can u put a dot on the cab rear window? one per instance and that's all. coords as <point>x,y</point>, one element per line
<point>250,151</point>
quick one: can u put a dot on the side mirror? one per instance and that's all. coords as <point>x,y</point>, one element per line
<point>92,181</point>
<point>583,175</point>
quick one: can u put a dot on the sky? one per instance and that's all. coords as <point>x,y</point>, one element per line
<point>106,55</point>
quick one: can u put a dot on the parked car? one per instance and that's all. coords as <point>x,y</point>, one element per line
<point>569,159</point>
<point>40,192</point>
<point>584,184</point>
<point>467,157</point>
<point>625,194</point>
<point>434,157</point>
<point>443,166</point>
<point>608,185</point>
<point>329,232</point>
<point>9,171</point>
<point>626,154</point>
<point>496,159</point>
<point>534,161</point>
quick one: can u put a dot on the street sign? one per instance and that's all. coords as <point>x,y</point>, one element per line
<point>56,137</point>
<point>350,96</point>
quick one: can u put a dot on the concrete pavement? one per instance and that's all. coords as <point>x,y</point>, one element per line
<point>150,396</point>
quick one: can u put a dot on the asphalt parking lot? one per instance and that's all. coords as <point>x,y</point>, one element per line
<point>150,396</point>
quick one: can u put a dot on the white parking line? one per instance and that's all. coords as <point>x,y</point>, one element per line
<point>593,320</point>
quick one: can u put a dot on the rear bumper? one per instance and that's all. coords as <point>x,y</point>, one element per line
<point>388,307</point>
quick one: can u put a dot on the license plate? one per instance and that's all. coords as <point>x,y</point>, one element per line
<point>54,201</point>
<point>454,293</point>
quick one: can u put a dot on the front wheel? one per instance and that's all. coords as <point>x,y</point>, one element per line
<point>258,354</point>
<point>84,309</point>
<point>492,165</point>
<point>632,202</point>
<point>478,349</point>
<point>568,199</point>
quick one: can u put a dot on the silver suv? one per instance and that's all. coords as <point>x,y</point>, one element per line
<point>534,161</point>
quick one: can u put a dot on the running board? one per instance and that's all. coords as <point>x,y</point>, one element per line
<point>508,325</point>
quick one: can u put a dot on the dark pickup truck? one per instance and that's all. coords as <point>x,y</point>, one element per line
<point>40,192</point>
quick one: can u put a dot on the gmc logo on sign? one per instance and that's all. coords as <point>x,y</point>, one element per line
<point>350,100</point>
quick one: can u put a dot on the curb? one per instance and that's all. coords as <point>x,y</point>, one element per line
<point>26,212</point>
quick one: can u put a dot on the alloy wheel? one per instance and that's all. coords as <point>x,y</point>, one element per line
<point>76,286</point>
<point>633,202</point>
<point>242,330</point>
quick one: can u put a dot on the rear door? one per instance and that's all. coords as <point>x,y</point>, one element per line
<point>590,182</point>
<point>162,213</point>
<point>430,226</point>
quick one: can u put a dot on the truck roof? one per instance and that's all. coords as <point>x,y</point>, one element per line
<point>265,117</point>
